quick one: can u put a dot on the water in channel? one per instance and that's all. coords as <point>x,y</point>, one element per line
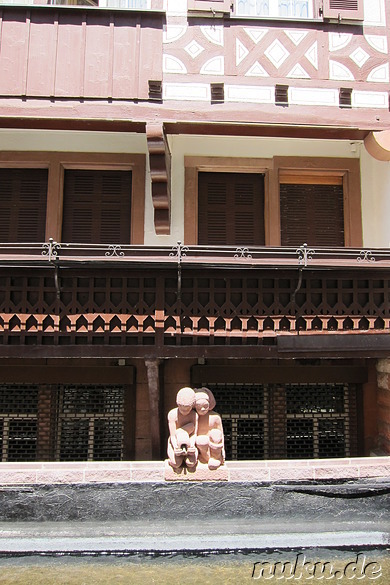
<point>273,566</point>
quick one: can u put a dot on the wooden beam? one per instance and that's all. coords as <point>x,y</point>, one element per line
<point>358,345</point>
<point>67,374</point>
<point>160,170</point>
<point>261,374</point>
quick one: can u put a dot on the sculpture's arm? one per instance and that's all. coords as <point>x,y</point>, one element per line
<point>195,431</point>
<point>172,420</point>
<point>216,423</point>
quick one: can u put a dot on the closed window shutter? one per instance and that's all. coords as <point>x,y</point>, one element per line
<point>312,214</point>
<point>231,209</point>
<point>343,9</point>
<point>97,207</point>
<point>23,196</point>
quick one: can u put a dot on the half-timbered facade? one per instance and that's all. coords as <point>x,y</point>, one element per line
<point>194,193</point>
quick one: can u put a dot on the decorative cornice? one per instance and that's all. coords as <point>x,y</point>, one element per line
<point>160,171</point>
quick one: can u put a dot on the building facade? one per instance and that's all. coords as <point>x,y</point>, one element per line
<point>194,193</point>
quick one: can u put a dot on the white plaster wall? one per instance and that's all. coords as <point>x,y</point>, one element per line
<point>72,141</point>
<point>375,177</point>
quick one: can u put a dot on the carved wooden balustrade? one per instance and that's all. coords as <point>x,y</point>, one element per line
<point>158,297</point>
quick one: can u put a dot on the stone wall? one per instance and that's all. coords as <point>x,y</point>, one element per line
<point>303,470</point>
<point>383,370</point>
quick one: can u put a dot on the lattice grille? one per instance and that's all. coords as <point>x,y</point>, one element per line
<point>287,420</point>
<point>91,421</point>
<point>244,412</point>
<point>18,422</point>
<point>300,441</point>
<point>22,440</point>
<point>317,420</point>
<point>315,399</point>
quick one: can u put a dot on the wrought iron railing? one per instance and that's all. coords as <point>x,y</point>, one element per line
<point>194,255</point>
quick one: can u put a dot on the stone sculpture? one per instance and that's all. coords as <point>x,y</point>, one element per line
<point>209,439</point>
<point>195,431</point>
<point>183,423</point>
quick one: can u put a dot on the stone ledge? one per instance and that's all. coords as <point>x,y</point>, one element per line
<point>201,473</point>
<point>89,472</point>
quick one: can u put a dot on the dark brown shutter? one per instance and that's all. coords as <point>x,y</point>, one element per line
<point>343,9</point>
<point>231,209</point>
<point>23,195</point>
<point>97,206</point>
<point>210,5</point>
<point>312,214</point>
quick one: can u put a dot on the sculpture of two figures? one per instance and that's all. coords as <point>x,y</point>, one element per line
<point>195,431</point>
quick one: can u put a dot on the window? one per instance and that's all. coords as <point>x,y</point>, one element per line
<point>298,200</point>
<point>72,414</point>
<point>97,206</point>
<point>245,418</point>
<point>312,213</point>
<point>90,423</point>
<point>283,420</point>
<point>318,420</point>
<point>135,4</point>
<point>231,209</point>
<point>18,422</point>
<point>72,197</point>
<point>275,8</point>
<point>23,194</point>
<point>349,10</point>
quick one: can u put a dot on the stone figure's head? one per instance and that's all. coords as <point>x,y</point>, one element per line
<point>185,400</point>
<point>204,401</point>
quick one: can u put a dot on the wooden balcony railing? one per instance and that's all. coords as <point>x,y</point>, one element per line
<point>187,297</point>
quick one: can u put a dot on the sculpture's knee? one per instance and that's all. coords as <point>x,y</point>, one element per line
<point>216,439</point>
<point>202,441</point>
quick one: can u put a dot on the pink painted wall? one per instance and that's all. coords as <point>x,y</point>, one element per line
<point>77,53</point>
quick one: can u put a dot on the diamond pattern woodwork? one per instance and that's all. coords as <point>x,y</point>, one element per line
<point>277,52</point>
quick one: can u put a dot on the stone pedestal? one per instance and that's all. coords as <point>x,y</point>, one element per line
<point>200,473</point>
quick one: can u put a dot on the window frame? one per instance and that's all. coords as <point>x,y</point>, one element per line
<point>58,162</point>
<point>274,170</point>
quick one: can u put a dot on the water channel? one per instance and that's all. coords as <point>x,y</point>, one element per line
<point>224,568</point>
